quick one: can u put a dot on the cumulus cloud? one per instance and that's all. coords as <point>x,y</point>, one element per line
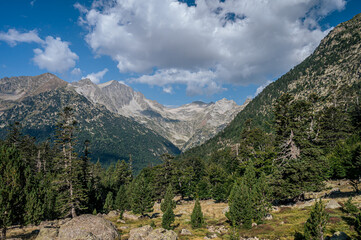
<point>168,89</point>
<point>76,72</point>
<point>233,41</point>
<point>56,55</point>
<point>13,37</point>
<point>198,82</point>
<point>96,77</point>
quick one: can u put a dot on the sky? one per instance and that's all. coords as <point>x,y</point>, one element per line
<point>173,51</point>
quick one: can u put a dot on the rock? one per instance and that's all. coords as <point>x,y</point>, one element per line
<point>120,221</point>
<point>140,233</point>
<point>211,236</point>
<point>332,204</point>
<point>254,224</point>
<point>128,216</point>
<point>162,234</point>
<point>306,204</point>
<point>113,214</point>
<point>147,233</point>
<point>185,232</point>
<point>47,233</point>
<point>275,209</point>
<point>268,217</point>
<point>224,211</point>
<point>88,227</point>
<point>340,236</point>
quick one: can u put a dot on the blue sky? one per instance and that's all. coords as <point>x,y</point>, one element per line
<point>173,52</point>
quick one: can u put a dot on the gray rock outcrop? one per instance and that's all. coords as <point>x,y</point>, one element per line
<point>84,227</point>
<point>147,233</point>
<point>332,204</point>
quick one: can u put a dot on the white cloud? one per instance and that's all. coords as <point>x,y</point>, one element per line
<point>235,41</point>
<point>198,82</point>
<point>260,88</point>
<point>32,2</point>
<point>168,89</point>
<point>13,37</point>
<point>96,77</point>
<point>76,72</point>
<point>56,55</point>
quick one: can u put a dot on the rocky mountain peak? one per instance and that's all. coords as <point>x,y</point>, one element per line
<point>17,88</point>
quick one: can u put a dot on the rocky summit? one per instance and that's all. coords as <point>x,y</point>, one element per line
<point>185,126</point>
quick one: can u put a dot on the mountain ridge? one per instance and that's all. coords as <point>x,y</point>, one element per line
<point>185,126</point>
<point>332,72</point>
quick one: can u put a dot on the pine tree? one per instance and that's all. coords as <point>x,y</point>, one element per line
<point>316,223</point>
<point>121,200</point>
<point>241,205</point>
<point>168,200</point>
<point>12,182</point>
<point>141,196</point>
<point>168,217</point>
<point>263,196</point>
<point>72,194</point>
<point>197,220</point>
<point>109,203</point>
<point>350,208</point>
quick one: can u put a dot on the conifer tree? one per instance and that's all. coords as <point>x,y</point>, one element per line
<point>168,217</point>
<point>141,196</point>
<point>197,220</point>
<point>241,205</point>
<point>316,223</point>
<point>12,183</point>
<point>109,203</point>
<point>168,200</point>
<point>121,200</point>
<point>72,194</point>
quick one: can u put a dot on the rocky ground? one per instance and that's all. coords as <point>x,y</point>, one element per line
<point>282,223</point>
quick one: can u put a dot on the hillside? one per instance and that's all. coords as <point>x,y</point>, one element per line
<point>112,137</point>
<point>332,72</point>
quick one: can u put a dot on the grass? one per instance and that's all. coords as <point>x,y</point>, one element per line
<point>286,221</point>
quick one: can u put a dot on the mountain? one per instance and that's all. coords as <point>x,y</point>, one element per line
<point>185,126</point>
<point>17,88</point>
<point>36,101</point>
<point>332,73</point>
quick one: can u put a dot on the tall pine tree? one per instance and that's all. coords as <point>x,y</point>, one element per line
<point>72,194</point>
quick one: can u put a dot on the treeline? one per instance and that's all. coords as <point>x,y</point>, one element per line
<point>307,146</point>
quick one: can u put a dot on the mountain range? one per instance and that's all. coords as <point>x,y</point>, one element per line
<point>119,122</point>
<point>185,126</point>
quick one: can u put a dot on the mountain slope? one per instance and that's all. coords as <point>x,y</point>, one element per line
<point>111,136</point>
<point>185,126</point>
<point>332,72</point>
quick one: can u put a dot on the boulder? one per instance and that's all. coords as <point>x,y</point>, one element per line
<point>140,233</point>
<point>147,233</point>
<point>128,216</point>
<point>332,204</point>
<point>88,227</point>
<point>47,233</point>
<point>113,214</point>
<point>340,236</point>
<point>268,217</point>
<point>185,232</point>
<point>162,234</point>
